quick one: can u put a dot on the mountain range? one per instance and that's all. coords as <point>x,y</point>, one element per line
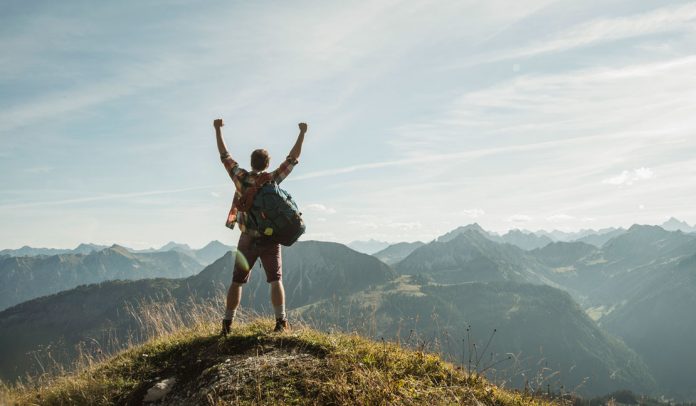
<point>521,239</point>
<point>528,240</point>
<point>674,224</point>
<point>608,317</point>
<point>103,312</point>
<point>468,255</point>
<point>206,255</point>
<point>524,239</point>
<point>639,285</point>
<point>657,320</point>
<point>547,335</point>
<point>29,251</point>
<point>26,277</point>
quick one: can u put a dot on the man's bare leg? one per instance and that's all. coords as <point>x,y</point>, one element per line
<point>234,297</point>
<point>277,293</point>
<point>278,301</point>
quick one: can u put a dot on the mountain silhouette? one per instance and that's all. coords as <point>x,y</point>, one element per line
<point>19,275</point>
<point>396,252</point>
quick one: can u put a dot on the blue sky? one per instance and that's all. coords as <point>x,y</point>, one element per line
<point>423,115</point>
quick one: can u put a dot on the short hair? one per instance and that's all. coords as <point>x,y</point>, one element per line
<point>260,160</point>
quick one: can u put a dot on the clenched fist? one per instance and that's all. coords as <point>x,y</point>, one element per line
<point>303,127</point>
<point>217,123</point>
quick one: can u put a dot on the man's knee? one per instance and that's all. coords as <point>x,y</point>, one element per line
<point>275,280</point>
<point>239,276</point>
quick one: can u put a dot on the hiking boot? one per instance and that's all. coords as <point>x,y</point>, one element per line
<point>226,327</point>
<point>281,326</point>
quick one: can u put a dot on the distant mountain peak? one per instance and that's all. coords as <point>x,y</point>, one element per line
<point>472,232</point>
<point>171,245</point>
<point>120,250</point>
<point>674,224</point>
<point>369,240</point>
<point>645,228</point>
<point>474,227</point>
<point>643,231</point>
<point>88,248</point>
<point>208,254</point>
<point>214,243</point>
<point>520,238</point>
<point>369,247</point>
<point>396,252</point>
<point>646,242</point>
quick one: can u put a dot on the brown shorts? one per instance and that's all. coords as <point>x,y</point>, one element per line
<point>249,249</point>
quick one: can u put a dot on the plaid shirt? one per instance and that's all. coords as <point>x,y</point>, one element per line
<point>242,180</point>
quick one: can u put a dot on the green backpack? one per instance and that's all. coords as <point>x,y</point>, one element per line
<point>272,212</point>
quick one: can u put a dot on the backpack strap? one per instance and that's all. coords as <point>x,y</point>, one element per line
<point>247,199</point>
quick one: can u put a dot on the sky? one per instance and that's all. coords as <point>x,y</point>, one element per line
<point>423,116</point>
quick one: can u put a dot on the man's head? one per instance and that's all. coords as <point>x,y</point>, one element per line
<point>260,160</point>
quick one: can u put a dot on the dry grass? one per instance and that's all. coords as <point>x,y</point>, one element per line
<point>255,366</point>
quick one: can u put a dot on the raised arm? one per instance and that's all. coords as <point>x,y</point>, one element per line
<point>230,164</point>
<point>286,167</point>
<point>297,148</point>
<point>222,148</point>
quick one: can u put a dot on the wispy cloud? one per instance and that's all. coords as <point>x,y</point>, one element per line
<point>520,218</point>
<point>320,208</point>
<point>472,213</point>
<point>103,197</point>
<point>406,226</point>
<point>602,30</point>
<point>559,218</point>
<point>566,93</point>
<point>134,79</point>
<point>628,178</point>
<point>621,106</point>
<point>476,153</point>
<point>363,224</point>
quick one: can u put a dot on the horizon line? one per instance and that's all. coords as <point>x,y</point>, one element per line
<point>499,233</point>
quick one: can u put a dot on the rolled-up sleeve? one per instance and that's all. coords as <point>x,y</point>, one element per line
<point>232,167</point>
<point>284,169</point>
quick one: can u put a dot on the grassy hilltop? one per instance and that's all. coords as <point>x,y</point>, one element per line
<point>254,366</point>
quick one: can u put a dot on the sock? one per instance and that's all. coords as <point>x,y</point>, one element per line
<point>279,312</point>
<point>229,314</point>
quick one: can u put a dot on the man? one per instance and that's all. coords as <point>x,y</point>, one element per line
<point>250,246</point>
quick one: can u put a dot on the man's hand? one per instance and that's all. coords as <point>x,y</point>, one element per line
<point>217,123</point>
<point>303,127</point>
